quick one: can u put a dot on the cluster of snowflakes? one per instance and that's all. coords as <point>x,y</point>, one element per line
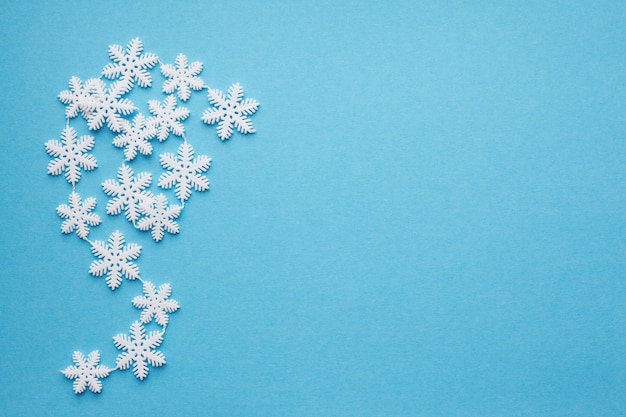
<point>101,104</point>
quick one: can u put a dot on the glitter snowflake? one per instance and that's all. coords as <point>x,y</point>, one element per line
<point>185,171</point>
<point>155,303</point>
<point>230,111</point>
<point>140,350</point>
<point>78,215</point>
<point>70,155</point>
<point>115,260</point>
<point>86,372</point>
<point>183,78</point>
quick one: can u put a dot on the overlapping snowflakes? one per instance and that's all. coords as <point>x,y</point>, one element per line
<point>103,104</point>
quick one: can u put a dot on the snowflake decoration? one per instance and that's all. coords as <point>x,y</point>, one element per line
<point>78,98</point>
<point>230,111</point>
<point>185,171</point>
<point>159,217</point>
<point>70,155</point>
<point>140,350</point>
<point>135,137</point>
<point>129,65</point>
<point>109,105</point>
<point>167,117</point>
<point>78,215</point>
<point>86,372</point>
<point>128,193</point>
<point>155,303</point>
<point>182,78</point>
<point>115,260</point>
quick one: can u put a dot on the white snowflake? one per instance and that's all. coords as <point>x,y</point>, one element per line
<point>115,260</point>
<point>129,192</point>
<point>71,155</point>
<point>182,78</point>
<point>78,215</point>
<point>86,372</point>
<point>167,116</point>
<point>159,217</point>
<point>78,98</point>
<point>135,137</point>
<point>109,105</point>
<point>129,65</point>
<point>230,111</point>
<point>140,350</point>
<point>184,171</point>
<point>156,303</point>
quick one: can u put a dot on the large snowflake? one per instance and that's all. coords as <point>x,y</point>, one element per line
<point>185,171</point>
<point>78,215</point>
<point>70,155</point>
<point>159,217</point>
<point>86,372</point>
<point>140,350</point>
<point>78,98</point>
<point>131,64</point>
<point>155,303</point>
<point>230,111</point>
<point>128,193</point>
<point>109,105</point>
<point>167,117</point>
<point>135,137</point>
<point>182,78</point>
<point>115,260</point>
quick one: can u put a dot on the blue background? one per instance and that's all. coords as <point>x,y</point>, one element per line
<point>430,220</point>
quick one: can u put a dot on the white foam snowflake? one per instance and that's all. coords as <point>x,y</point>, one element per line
<point>140,350</point>
<point>115,259</point>
<point>78,215</point>
<point>78,98</point>
<point>86,372</point>
<point>128,193</point>
<point>109,105</point>
<point>230,111</point>
<point>185,171</point>
<point>70,155</point>
<point>182,78</point>
<point>167,117</point>
<point>155,303</point>
<point>159,217</point>
<point>135,137</point>
<point>131,64</point>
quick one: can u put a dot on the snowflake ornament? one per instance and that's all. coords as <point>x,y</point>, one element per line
<point>135,137</point>
<point>78,98</point>
<point>70,155</point>
<point>86,372</point>
<point>230,111</point>
<point>78,215</point>
<point>155,303</point>
<point>183,78</point>
<point>109,105</point>
<point>115,260</point>
<point>159,217</point>
<point>130,65</point>
<point>128,193</point>
<point>140,350</point>
<point>185,171</point>
<point>167,117</point>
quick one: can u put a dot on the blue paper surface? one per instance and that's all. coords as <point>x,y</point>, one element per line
<point>429,221</point>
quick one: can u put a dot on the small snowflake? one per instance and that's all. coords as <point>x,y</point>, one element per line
<point>140,350</point>
<point>155,303</point>
<point>130,65</point>
<point>184,171</point>
<point>135,137</point>
<point>167,116</point>
<point>78,98</point>
<point>230,111</point>
<point>115,260</point>
<point>78,215</point>
<point>182,78</point>
<point>86,373</point>
<point>70,155</point>
<point>159,217</point>
<point>109,105</point>
<point>129,192</point>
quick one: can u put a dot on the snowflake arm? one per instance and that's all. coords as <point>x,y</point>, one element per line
<point>185,171</point>
<point>70,155</point>
<point>140,350</point>
<point>159,217</point>
<point>77,98</point>
<point>110,105</point>
<point>155,303</point>
<point>78,215</point>
<point>131,64</point>
<point>135,137</point>
<point>182,78</point>
<point>115,260</point>
<point>86,372</point>
<point>231,111</point>
<point>167,117</point>
<point>128,193</point>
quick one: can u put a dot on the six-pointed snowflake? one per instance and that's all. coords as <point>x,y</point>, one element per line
<point>70,155</point>
<point>159,217</point>
<point>78,98</point>
<point>109,105</point>
<point>185,171</point>
<point>230,111</point>
<point>115,260</point>
<point>167,117</point>
<point>128,193</point>
<point>155,303</point>
<point>182,78</point>
<point>131,64</point>
<point>78,215</point>
<point>86,372</point>
<point>135,137</point>
<point>140,350</point>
